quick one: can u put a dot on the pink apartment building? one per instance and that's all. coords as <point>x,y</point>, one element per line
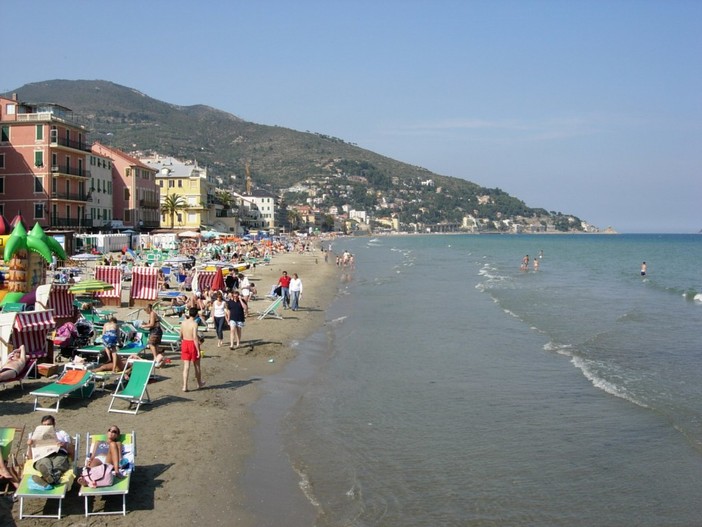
<point>43,176</point>
<point>135,196</point>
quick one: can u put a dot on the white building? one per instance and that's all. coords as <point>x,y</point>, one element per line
<point>100,192</point>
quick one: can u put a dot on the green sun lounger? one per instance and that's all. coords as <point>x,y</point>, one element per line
<point>72,383</point>
<point>134,390</point>
<point>56,492</point>
<point>120,486</point>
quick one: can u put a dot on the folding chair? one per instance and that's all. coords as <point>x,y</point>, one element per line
<point>134,390</point>
<point>272,310</point>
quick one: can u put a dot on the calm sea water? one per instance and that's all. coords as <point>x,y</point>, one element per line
<point>449,388</point>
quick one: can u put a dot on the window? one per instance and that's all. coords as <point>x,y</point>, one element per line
<point>127,215</point>
<point>127,172</point>
<point>38,211</point>
<point>2,160</point>
<point>171,184</point>
<point>5,137</point>
<point>126,194</point>
<point>160,183</point>
<point>2,185</point>
<point>39,132</point>
<point>38,184</point>
<point>180,183</point>
<point>10,109</point>
<point>39,158</point>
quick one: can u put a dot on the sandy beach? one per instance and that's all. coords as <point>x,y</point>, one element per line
<point>192,446</point>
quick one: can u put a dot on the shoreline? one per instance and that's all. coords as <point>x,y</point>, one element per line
<point>193,448</point>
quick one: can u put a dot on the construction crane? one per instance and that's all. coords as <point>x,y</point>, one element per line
<point>249,184</point>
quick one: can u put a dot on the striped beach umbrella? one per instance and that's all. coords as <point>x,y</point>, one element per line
<point>90,286</point>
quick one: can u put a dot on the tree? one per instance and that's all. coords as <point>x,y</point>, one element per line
<point>294,219</point>
<point>172,204</point>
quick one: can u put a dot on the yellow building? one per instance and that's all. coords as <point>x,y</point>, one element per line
<point>189,181</point>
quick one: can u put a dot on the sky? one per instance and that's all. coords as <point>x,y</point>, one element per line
<point>591,108</point>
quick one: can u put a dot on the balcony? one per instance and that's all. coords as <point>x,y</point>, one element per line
<point>76,145</point>
<point>149,204</point>
<point>65,170</point>
<point>85,223</point>
<point>70,196</point>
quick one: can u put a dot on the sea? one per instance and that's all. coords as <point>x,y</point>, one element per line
<point>449,387</point>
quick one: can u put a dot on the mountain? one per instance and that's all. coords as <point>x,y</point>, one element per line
<point>280,158</point>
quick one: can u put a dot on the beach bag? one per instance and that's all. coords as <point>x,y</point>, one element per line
<point>100,476</point>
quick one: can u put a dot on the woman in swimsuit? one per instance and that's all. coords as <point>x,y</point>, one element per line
<point>16,362</point>
<point>105,452</point>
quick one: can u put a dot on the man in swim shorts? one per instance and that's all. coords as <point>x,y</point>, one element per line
<point>190,348</point>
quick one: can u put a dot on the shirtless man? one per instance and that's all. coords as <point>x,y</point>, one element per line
<point>190,348</point>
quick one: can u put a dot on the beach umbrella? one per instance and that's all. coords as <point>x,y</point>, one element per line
<point>188,234</point>
<point>218,282</point>
<point>90,286</point>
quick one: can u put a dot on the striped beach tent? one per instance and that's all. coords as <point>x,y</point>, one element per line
<point>112,275</point>
<point>144,285</point>
<point>204,280</point>
<point>31,328</point>
<point>56,297</point>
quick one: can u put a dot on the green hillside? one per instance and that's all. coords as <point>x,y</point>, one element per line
<point>280,157</point>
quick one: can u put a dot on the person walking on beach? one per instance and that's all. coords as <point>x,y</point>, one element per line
<point>284,283</point>
<point>643,269</point>
<point>190,349</point>
<point>237,310</point>
<point>155,334</point>
<point>219,313</point>
<point>295,291</point>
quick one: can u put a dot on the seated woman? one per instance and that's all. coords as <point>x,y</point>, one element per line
<point>16,361</point>
<point>105,452</point>
<point>110,338</point>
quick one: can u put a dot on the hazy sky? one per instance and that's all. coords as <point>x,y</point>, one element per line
<point>587,107</point>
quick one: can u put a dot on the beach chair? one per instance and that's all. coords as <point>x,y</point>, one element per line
<point>13,307</point>
<point>23,374</point>
<point>10,445</point>
<point>134,390</point>
<point>56,492</point>
<point>71,383</point>
<point>120,486</point>
<point>272,310</point>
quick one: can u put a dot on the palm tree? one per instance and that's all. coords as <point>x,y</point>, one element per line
<point>172,204</point>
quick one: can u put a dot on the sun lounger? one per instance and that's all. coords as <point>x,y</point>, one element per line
<point>272,310</point>
<point>120,486</point>
<point>13,307</point>
<point>23,374</point>
<point>10,444</point>
<point>73,382</point>
<point>56,492</point>
<point>134,390</point>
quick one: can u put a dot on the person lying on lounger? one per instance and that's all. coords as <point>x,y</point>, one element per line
<point>105,452</point>
<point>16,361</point>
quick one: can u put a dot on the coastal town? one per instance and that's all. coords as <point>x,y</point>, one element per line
<point>53,173</point>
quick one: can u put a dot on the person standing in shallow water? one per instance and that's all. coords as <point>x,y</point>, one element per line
<point>643,269</point>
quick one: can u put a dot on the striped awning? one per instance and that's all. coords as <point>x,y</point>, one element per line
<point>61,300</point>
<point>144,283</point>
<point>31,329</point>
<point>111,275</point>
<point>35,321</point>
